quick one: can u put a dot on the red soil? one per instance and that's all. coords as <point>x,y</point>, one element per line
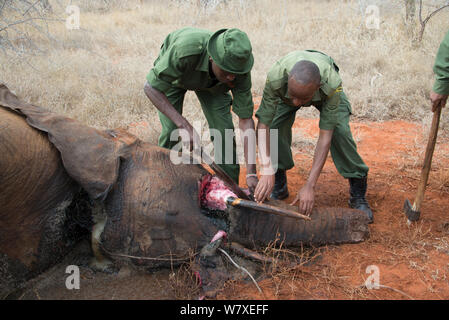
<point>413,261</point>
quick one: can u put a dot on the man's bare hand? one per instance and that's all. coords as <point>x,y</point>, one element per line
<point>306,198</point>
<point>193,135</point>
<point>437,99</point>
<point>264,188</point>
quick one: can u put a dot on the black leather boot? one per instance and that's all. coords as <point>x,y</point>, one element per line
<point>280,190</point>
<point>357,191</point>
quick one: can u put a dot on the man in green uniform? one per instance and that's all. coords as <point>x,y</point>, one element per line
<point>302,79</point>
<point>211,64</point>
<point>440,90</point>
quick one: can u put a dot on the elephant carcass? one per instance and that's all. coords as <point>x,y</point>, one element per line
<point>143,205</point>
<point>148,210</point>
<point>41,207</point>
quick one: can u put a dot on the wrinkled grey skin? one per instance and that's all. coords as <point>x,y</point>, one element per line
<point>63,180</point>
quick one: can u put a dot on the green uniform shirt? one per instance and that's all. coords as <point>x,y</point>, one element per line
<point>184,63</point>
<point>326,99</point>
<point>441,68</point>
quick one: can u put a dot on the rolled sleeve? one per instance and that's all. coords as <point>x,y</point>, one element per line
<point>242,104</point>
<point>166,70</point>
<point>329,114</point>
<point>441,68</point>
<point>267,108</point>
<point>441,87</point>
<point>156,82</point>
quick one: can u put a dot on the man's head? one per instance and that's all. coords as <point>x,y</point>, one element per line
<point>222,75</point>
<point>231,54</point>
<point>303,81</point>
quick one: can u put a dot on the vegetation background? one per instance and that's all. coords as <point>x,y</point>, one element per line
<point>96,73</point>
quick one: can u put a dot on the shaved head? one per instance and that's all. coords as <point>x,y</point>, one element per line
<point>305,72</point>
<point>303,81</point>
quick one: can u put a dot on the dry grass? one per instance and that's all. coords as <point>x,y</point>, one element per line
<point>96,74</point>
<point>184,284</point>
<point>441,179</point>
<point>284,272</point>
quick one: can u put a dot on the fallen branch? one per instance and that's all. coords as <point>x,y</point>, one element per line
<point>387,287</point>
<point>148,258</point>
<point>241,268</point>
<point>29,19</point>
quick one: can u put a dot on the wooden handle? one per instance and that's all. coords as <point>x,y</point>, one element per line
<point>428,159</point>
<point>262,207</point>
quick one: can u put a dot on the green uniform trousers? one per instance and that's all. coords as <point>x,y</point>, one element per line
<point>217,110</point>
<point>343,148</point>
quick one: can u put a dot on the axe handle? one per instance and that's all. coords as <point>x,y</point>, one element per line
<point>222,174</point>
<point>262,207</point>
<point>427,159</point>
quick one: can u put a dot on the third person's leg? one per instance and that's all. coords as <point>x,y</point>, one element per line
<point>348,161</point>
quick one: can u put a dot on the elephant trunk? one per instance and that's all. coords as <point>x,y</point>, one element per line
<point>327,226</point>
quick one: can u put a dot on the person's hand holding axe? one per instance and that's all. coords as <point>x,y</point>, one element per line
<point>438,100</point>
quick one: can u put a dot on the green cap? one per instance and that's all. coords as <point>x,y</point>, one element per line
<point>231,50</point>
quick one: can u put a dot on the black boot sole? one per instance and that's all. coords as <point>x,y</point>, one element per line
<point>371,219</point>
<point>281,196</point>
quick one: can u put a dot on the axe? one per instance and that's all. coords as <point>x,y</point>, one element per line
<point>226,178</point>
<point>223,175</point>
<point>413,212</point>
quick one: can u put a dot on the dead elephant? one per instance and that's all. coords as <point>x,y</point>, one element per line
<point>61,180</point>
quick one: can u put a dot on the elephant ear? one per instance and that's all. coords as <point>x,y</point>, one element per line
<point>90,156</point>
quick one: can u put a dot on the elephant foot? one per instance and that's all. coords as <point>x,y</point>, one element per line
<point>99,262</point>
<point>104,265</point>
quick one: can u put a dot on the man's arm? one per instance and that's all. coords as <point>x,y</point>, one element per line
<point>266,182</point>
<point>249,147</point>
<point>440,90</point>
<point>265,115</point>
<point>243,107</point>
<point>161,102</point>
<point>306,195</point>
<point>329,118</point>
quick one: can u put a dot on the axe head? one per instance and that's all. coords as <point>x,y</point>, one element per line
<point>411,214</point>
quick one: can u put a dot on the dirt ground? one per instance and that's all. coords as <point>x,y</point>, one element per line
<point>413,261</point>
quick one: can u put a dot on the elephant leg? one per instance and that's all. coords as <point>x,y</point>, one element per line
<point>99,262</point>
